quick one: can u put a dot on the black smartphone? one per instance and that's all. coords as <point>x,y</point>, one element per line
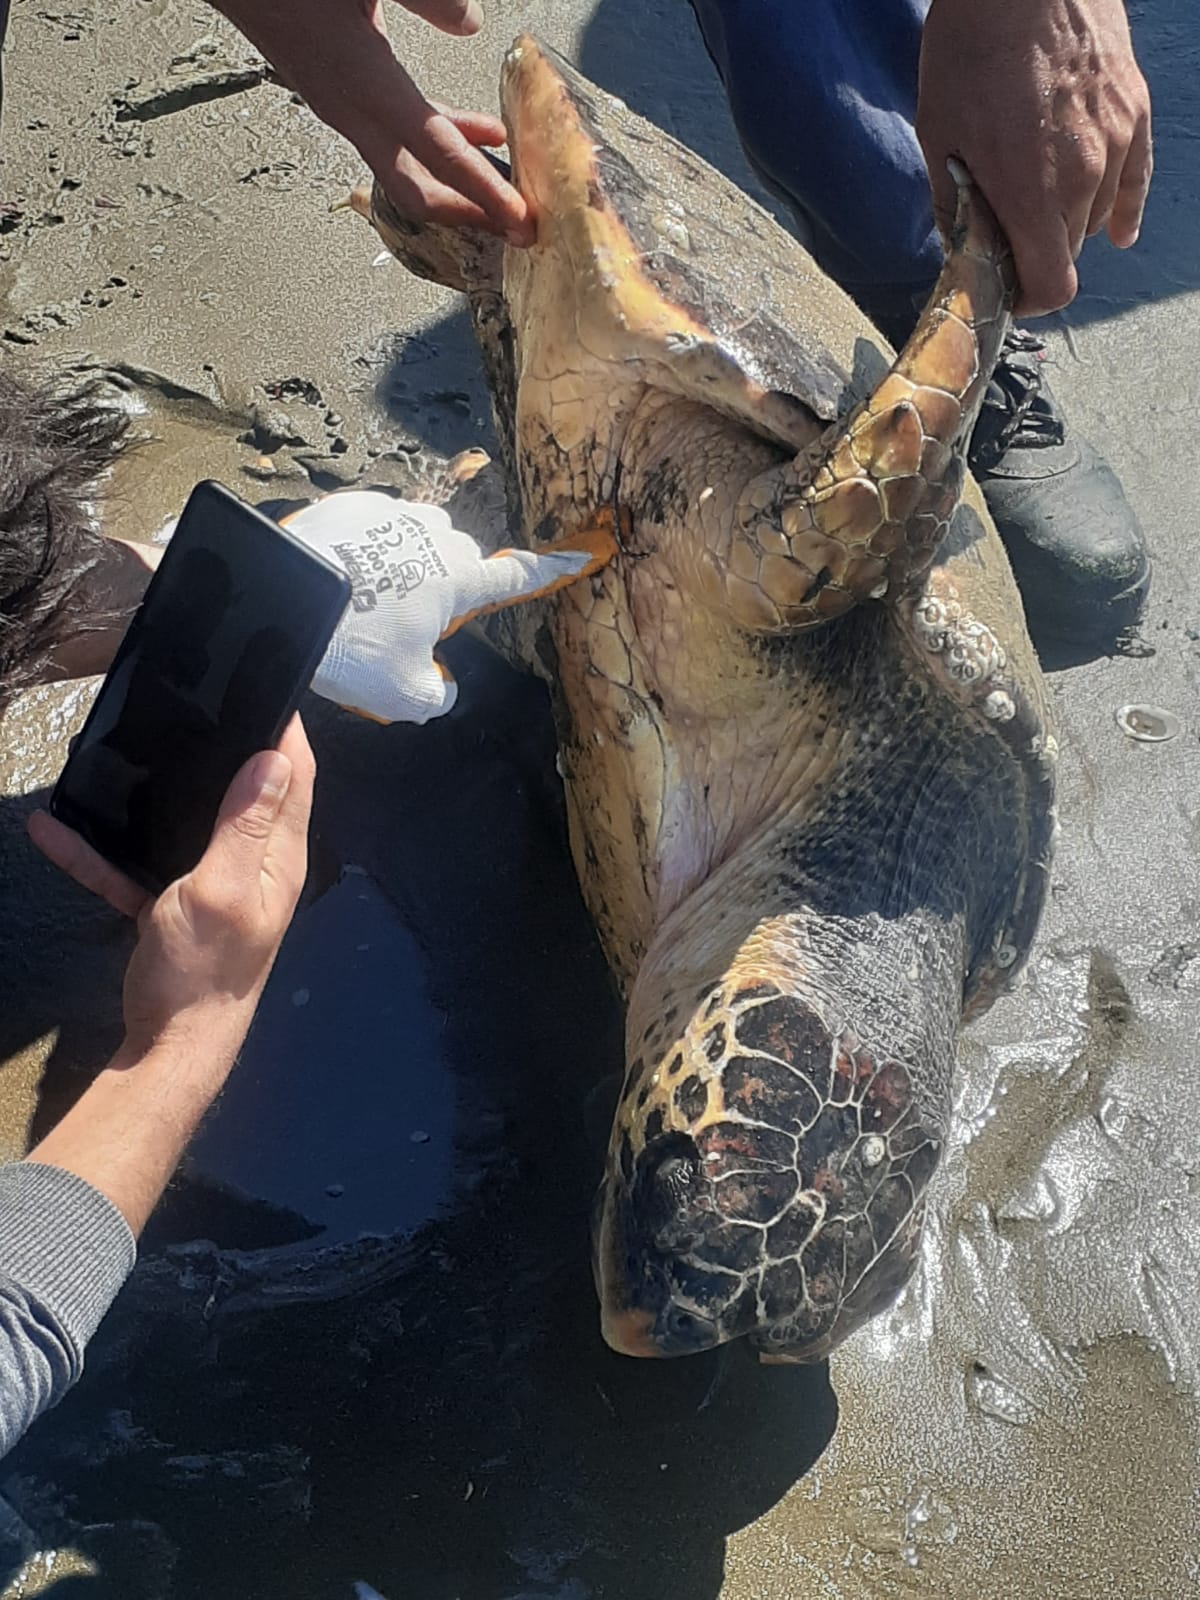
<point>230,632</point>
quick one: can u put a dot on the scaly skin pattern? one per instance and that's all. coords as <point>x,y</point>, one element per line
<point>867,511</point>
<point>803,739</point>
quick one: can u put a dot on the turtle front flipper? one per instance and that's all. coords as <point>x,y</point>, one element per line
<point>863,513</point>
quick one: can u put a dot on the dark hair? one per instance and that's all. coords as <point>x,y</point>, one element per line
<point>56,444</point>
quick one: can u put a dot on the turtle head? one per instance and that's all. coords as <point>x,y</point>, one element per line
<point>765,1179</point>
<point>551,135</point>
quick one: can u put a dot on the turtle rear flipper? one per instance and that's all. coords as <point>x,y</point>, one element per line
<point>864,514</point>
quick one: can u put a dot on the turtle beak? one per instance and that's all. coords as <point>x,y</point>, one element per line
<point>627,1329</point>
<point>629,1333</point>
<point>544,134</point>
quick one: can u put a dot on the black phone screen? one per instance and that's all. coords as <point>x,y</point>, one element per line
<point>231,630</point>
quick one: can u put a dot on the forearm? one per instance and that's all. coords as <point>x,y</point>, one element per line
<point>110,595</point>
<point>65,1251</point>
<point>71,1211</point>
<point>126,1133</point>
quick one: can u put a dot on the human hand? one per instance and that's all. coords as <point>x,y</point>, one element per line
<point>416,580</point>
<point>206,945</point>
<point>1046,107</point>
<point>335,54</point>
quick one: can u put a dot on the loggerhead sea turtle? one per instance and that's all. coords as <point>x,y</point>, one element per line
<point>804,737</point>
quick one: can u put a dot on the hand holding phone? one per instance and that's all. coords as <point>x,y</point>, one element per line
<point>207,944</point>
<point>204,952</point>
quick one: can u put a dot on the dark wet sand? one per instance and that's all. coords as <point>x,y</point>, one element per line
<point>362,1344</point>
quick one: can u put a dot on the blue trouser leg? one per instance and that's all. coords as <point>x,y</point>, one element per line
<point>824,95</point>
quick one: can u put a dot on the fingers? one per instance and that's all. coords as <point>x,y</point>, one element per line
<point>479,127</point>
<point>434,693</point>
<point>517,575</point>
<point>1106,195</point>
<point>461,17</point>
<point>1048,226</point>
<point>1051,114</point>
<point>435,172</point>
<point>1044,257</point>
<point>511,576</point>
<point>472,195</point>
<point>64,847</point>
<point>209,941</point>
<point>505,579</point>
<point>428,161</point>
<point>1125,223</point>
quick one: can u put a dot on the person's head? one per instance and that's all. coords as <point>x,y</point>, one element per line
<point>56,444</point>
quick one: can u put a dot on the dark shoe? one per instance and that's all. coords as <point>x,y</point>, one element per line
<point>1077,551</point>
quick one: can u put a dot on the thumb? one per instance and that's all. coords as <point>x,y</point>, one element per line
<point>418,694</point>
<point>249,811</point>
<point>944,195</point>
<point>943,191</point>
<point>462,17</point>
<point>429,693</point>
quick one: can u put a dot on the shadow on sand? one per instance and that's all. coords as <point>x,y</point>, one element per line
<point>363,1341</point>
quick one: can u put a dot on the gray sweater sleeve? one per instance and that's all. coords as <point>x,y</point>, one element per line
<point>65,1251</point>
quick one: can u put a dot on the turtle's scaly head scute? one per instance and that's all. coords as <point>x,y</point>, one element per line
<point>766,1177</point>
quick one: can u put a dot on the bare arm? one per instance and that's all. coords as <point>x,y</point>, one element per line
<point>109,596</point>
<point>336,55</point>
<point>1044,102</point>
<point>71,1211</point>
<point>206,948</point>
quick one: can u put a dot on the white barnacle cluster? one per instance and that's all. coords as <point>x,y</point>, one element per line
<point>969,650</point>
<point>873,1150</point>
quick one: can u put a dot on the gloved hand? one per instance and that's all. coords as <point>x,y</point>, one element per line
<point>416,580</point>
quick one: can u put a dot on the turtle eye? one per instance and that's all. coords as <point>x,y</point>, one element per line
<point>673,1178</point>
<point>666,1188</point>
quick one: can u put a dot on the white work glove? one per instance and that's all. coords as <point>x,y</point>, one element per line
<point>416,580</point>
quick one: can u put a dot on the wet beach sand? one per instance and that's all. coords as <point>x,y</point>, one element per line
<point>362,1345</point>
